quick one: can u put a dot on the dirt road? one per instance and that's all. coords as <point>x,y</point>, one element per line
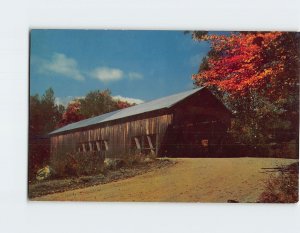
<point>189,180</point>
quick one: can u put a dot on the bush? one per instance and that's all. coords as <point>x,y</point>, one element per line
<point>78,164</point>
<point>91,163</point>
<point>284,149</point>
<point>113,164</point>
<point>132,159</point>
<point>128,160</point>
<point>38,155</point>
<point>283,187</point>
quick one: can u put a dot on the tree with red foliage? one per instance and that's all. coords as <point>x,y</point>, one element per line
<point>267,62</point>
<point>72,113</point>
<point>257,76</point>
<point>123,104</point>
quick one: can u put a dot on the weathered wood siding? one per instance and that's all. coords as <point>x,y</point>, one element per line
<point>200,107</point>
<point>199,116</point>
<point>118,135</point>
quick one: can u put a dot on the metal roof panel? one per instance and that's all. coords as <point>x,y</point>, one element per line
<point>161,103</point>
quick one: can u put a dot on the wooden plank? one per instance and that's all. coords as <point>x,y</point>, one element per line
<point>150,144</point>
<point>98,145</point>
<point>106,145</point>
<point>137,143</point>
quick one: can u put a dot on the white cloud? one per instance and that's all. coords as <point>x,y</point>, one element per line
<point>65,100</point>
<point>106,74</point>
<point>135,76</point>
<point>128,99</point>
<point>62,65</point>
<point>68,67</point>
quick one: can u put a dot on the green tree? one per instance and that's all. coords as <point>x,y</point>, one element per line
<point>44,115</point>
<point>93,104</point>
<point>96,103</point>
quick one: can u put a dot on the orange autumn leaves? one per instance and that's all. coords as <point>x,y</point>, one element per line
<point>243,61</point>
<point>72,113</point>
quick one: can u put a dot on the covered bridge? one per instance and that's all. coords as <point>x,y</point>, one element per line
<point>191,123</point>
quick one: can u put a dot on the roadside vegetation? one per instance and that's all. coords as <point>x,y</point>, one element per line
<point>282,187</point>
<point>112,171</point>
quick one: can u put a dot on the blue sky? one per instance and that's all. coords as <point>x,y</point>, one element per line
<point>141,65</point>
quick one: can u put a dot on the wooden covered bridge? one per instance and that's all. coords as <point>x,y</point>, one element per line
<point>187,124</point>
